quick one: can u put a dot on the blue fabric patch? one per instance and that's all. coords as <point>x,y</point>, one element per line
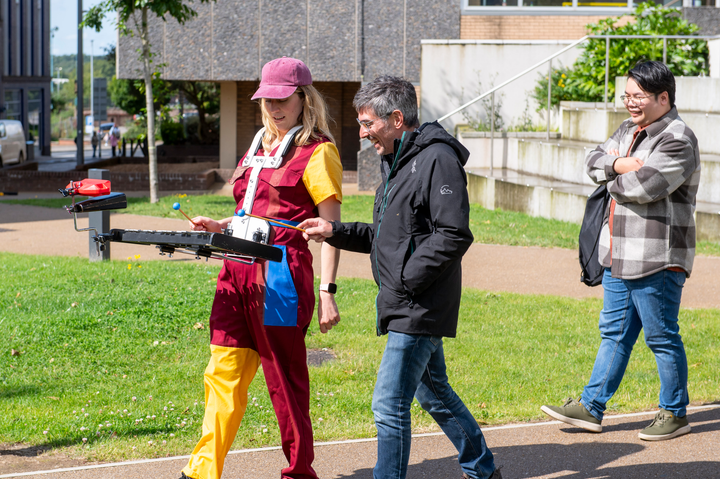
<point>281,298</point>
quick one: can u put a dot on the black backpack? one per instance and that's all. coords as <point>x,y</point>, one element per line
<point>595,208</point>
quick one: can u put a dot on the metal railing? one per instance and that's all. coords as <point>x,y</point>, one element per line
<point>549,60</point>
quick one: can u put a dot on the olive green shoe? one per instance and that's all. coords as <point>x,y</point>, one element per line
<point>572,412</point>
<point>665,426</point>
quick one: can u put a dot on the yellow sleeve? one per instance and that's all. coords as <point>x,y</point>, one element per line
<point>323,173</point>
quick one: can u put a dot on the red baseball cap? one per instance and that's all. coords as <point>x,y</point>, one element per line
<point>281,77</point>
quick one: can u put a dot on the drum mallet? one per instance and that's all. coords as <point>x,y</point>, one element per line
<point>176,207</point>
<point>242,213</point>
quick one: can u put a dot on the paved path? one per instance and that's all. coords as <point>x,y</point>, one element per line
<point>540,450</point>
<point>526,270</point>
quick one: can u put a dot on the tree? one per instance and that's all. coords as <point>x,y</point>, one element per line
<point>129,95</point>
<point>585,80</point>
<point>132,19</point>
<point>206,98</point>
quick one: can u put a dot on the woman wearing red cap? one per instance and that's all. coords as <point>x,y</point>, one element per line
<point>261,312</point>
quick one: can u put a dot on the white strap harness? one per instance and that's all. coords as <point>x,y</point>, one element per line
<point>247,227</point>
<point>258,162</point>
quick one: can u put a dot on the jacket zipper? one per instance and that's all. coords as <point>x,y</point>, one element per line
<point>385,197</point>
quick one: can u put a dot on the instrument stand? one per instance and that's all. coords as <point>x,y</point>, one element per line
<point>98,223</point>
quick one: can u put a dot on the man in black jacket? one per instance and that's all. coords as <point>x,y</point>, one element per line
<point>419,234</point>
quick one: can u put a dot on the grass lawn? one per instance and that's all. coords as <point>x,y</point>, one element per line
<point>488,226</point>
<point>111,358</point>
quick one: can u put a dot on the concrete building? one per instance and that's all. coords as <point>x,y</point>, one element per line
<point>343,43</point>
<point>25,74</point>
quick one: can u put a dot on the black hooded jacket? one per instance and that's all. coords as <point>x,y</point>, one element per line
<point>419,234</point>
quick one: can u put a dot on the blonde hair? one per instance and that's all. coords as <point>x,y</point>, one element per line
<point>315,119</point>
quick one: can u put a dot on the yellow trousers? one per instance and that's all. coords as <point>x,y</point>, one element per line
<point>227,378</point>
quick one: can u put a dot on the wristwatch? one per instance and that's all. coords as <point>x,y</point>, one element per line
<point>330,288</point>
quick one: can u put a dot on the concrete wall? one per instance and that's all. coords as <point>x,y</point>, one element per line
<point>590,122</point>
<point>452,71</point>
<point>368,168</point>
<point>340,40</point>
<point>492,193</point>
<point>707,18</point>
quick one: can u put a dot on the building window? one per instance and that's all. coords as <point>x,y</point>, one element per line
<point>35,114</point>
<point>13,105</point>
<point>562,7</point>
<point>7,63</point>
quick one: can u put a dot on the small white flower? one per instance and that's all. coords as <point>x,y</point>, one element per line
<point>264,430</point>
<point>172,435</point>
<point>45,432</point>
<point>84,439</point>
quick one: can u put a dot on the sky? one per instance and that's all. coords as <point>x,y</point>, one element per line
<point>63,14</point>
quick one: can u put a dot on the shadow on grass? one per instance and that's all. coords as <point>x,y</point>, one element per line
<point>17,391</point>
<point>75,440</point>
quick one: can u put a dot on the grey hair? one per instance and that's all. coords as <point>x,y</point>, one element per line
<point>386,94</point>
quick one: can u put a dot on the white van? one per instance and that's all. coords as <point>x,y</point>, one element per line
<point>12,142</point>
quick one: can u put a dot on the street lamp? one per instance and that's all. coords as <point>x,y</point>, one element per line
<point>57,88</point>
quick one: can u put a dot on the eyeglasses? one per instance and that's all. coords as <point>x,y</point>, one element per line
<point>635,100</point>
<point>368,123</point>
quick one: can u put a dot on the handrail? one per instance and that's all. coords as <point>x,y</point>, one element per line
<point>573,45</point>
<point>523,73</point>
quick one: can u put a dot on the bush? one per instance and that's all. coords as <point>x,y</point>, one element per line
<point>171,133</point>
<point>585,80</point>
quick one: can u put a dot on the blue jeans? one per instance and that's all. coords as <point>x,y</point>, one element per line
<point>651,303</point>
<point>414,365</point>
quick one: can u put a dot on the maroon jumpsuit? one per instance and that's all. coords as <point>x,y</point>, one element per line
<point>268,307</point>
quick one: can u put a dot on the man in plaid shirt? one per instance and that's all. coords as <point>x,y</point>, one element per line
<point>651,167</point>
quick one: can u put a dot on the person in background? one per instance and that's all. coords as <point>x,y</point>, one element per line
<point>114,138</point>
<point>94,142</point>
<point>651,167</point>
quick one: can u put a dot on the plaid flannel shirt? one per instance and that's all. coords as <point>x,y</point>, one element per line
<point>653,222</point>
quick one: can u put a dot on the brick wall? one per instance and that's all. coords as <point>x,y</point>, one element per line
<point>50,181</point>
<point>526,27</point>
<point>249,120</point>
<point>338,95</point>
